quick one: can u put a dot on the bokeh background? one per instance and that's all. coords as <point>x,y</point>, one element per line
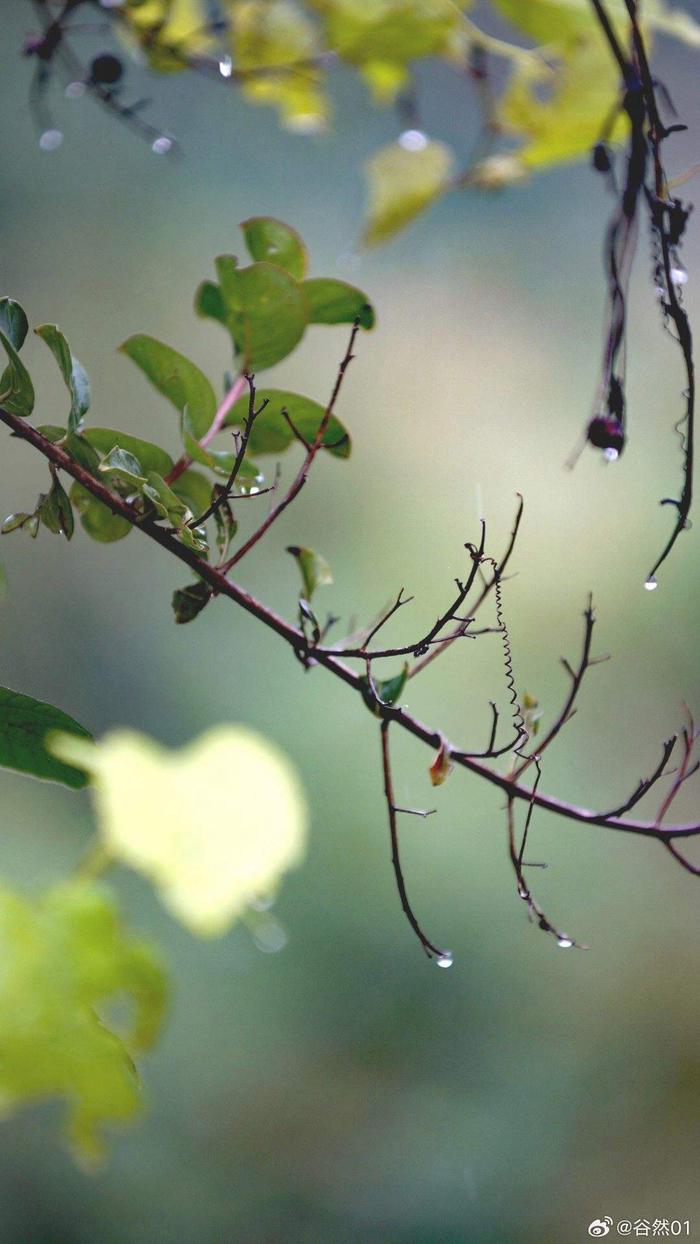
<point>345,1090</point>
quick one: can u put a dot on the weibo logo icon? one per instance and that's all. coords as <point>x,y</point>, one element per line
<point>600,1226</point>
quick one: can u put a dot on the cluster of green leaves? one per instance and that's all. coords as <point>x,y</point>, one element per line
<point>562,90</point>
<point>214,827</point>
<point>265,308</point>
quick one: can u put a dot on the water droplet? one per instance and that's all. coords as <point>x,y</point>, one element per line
<point>678,272</point>
<point>687,525</point>
<point>610,454</point>
<point>75,90</point>
<point>565,942</point>
<point>162,145</point>
<point>270,936</point>
<point>446,960</point>
<point>226,66</point>
<point>651,584</point>
<point>51,140</point>
<point>413,140</point>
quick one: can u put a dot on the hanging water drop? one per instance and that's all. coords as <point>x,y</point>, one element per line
<point>51,140</point>
<point>162,145</point>
<point>75,90</point>
<point>445,960</point>
<point>651,584</point>
<point>413,140</point>
<point>610,454</point>
<point>678,271</point>
<point>565,942</point>
<point>226,66</point>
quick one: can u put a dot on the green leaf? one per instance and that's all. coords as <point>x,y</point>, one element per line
<point>24,724</point>
<point>335,302</point>
<point>214,825</point>
<point>55,510</point>
<point>64,955</point>
<point>97,519</point>
<point>122,468</point>
<point>270,35</point>
<point>388,690</point>
<point>21,521</point>
<point>82,451</point>
<point>175,377</point>
<point>266,312</point>
<point>209,302</point>
<point>271,433</point>
<point>271,240</point>
<point>314,569</point>
<point>16,388</point>
<point>402,184</point>
<point>13,322</point>
<point>74,374</point>
<point>151,457</point>
<point>188,602</point>
<point>194,489</point>
<point>166,501</point>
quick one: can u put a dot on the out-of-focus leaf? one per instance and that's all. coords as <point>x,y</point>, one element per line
<point>171,33</point>
<point>314,569</point>
<point>74,374</point>
<point>214,825</point>
<point>402,184</point>
<point>64,956</point>
<point>97,519</point>
<point>151,457</point>
<point>209,302</point>
<point>176,377</point>
<point>271,240</point>
<point>13,322</point>
<point>16,388</point>
<point>21,521</point>
<point>582,93</point>
<point>271,433</point>
<point>563,21</point>
<point>24,724</point>
<point>335,302</point>
<point>274,44</point>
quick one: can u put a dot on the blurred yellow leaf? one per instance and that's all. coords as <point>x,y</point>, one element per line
<point>402,183</point>
<point>63,955</point>
<point>274,45</point>
<point>557,21</point>
<point>214,826</point>
<point>561,114</point>
<point>169,31</point>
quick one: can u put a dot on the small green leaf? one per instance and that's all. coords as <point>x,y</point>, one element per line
<point>194,489</point>
<point>82,451</point>
<point>175,377</point>
<point>151,457</point>
<point>64,956</point>
<point>271,240</point>
<point>16,388</point>
<point>336,302</point>
<point>188,602</point>
<point>209,302</point>
<point>314,569</point>
<point>167,503</point>
<point>74,374</point>
<point>24,724</point>
<point>402,184</point>
<point>55,510</point>
<point>388,690</point>
<point>13,322</point>
<point>271,433</point>
<point>21,522</point>
<point>122,468</point>
<point>97,519</point>
<point>266,312</point>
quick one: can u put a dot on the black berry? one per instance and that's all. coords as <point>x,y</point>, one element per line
<point>106,69</point>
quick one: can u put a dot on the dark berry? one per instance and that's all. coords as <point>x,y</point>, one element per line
<point>106,69</point>
<point>606,432</point>
<point>601,158</point>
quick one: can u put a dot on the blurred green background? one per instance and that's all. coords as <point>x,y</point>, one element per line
<point>345,1090</point>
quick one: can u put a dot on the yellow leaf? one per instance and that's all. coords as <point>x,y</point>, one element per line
<point>402,183</point>
<point>214,826</point>
<point>274,45</point>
